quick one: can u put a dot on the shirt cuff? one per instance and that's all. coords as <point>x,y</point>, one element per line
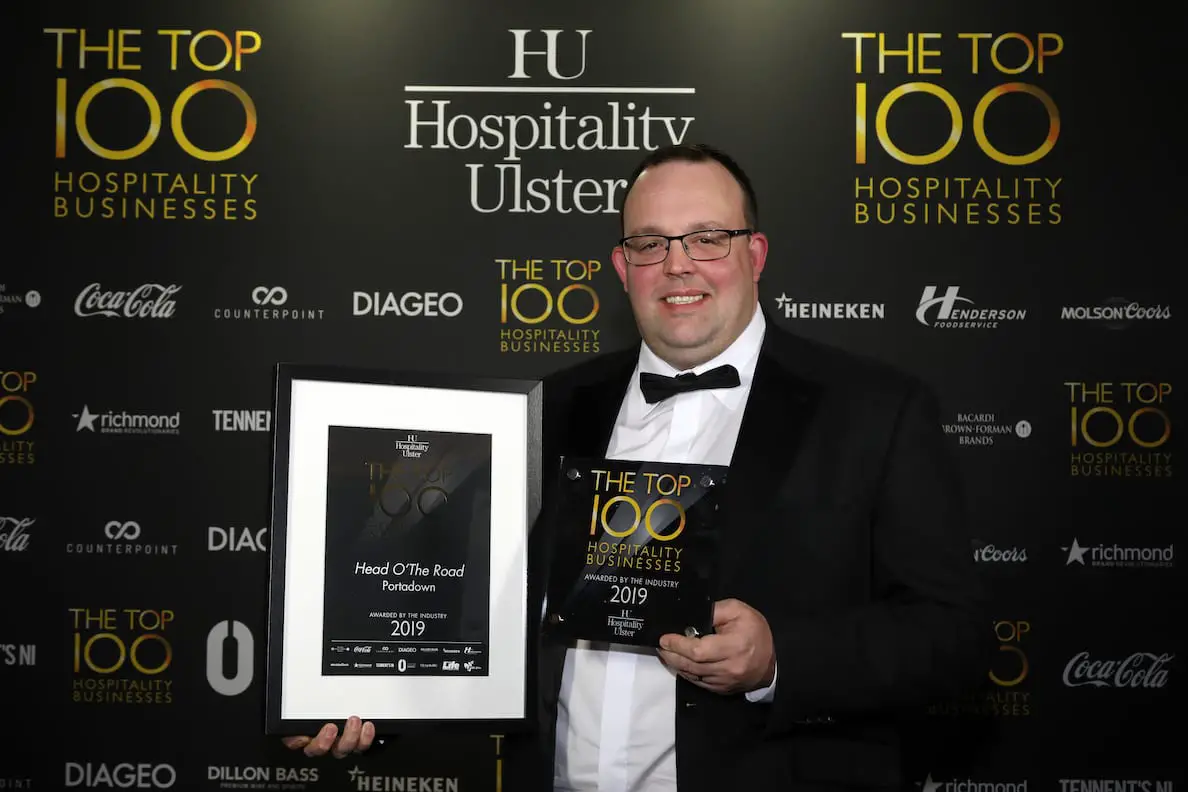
<point>767,694</point>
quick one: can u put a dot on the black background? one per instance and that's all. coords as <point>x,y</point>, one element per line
<point>344,205</point>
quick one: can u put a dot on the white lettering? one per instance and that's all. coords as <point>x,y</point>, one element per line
<point>18,654</point>
<point>447,304</point>
<point>539,195</point>
<point>1115,313</point>
<point>123,776</point>
<point>1141,669</point>
<point>365,783</point>
<point>990,553</point>
<point>242,420</point>
<point>151,300</point>
<point>236,539</point>
<point>624,126</point>
<point>550,53</point>
<point>13,536</point>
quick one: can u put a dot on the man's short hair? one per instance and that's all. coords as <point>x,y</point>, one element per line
<point>698,152</point>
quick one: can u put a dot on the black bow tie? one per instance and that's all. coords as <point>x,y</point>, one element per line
<point>657,387</point>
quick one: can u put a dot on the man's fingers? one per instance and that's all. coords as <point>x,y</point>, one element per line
<point>349,739</point>
<point>323,741</point>
<point>711,676</point>
<point>677,644</point>
<point>684,665</point>
<point>726,611</point>
<point>707,649</point>
<point>366,736</point>
<point>725,660</point>
<point>357,737</point>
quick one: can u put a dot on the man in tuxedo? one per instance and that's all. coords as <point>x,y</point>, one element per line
<point>848,595</point>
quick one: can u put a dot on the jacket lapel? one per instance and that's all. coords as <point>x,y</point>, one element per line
<point>778,411</point>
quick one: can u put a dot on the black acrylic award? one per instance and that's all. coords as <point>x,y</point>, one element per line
<point>634,550</point>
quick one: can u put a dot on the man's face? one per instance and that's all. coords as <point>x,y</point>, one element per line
<point>690,311</point>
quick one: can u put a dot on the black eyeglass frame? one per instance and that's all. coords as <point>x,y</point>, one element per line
<point>731,233</point>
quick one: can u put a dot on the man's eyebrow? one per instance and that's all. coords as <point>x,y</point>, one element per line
<point>701,225</point>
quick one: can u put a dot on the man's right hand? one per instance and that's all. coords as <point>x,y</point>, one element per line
<point>357,737</point>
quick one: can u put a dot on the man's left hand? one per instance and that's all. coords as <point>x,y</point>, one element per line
<point>738,657</point>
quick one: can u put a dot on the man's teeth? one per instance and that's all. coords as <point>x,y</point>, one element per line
<point>683,300</point>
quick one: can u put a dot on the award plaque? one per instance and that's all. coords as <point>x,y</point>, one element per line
<point>401,507</point>
<point>635,550</point>
<point>408,522</point>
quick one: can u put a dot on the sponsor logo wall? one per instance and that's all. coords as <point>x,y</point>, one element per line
<point>976,198</point>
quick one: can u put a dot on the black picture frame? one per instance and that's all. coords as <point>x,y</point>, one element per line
<point>279,718</point>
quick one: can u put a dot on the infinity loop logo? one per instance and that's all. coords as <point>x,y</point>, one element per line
<point>122,530</point>
<point>269,295</point>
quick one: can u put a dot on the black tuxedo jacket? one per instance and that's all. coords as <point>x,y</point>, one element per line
<point>847,533</point>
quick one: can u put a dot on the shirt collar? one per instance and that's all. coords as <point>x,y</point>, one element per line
<point>743,354</point>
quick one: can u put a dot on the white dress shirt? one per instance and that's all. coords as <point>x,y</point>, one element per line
<point>609,740</point>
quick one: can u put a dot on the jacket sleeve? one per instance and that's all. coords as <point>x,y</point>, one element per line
<point>923,634</point>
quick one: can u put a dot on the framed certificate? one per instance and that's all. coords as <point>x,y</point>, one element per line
<point>401,505</point>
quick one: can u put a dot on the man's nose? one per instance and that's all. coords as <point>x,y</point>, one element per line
<point>677,262</point>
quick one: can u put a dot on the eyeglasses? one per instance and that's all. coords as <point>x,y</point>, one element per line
<point>708,245</point>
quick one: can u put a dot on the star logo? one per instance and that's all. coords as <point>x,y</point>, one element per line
<point>86,419</point>
<point>355,773</point>
<point>1075,553</point>
<point>929,785</point>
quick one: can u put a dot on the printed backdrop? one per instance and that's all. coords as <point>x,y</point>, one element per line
<point>980,194</point>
